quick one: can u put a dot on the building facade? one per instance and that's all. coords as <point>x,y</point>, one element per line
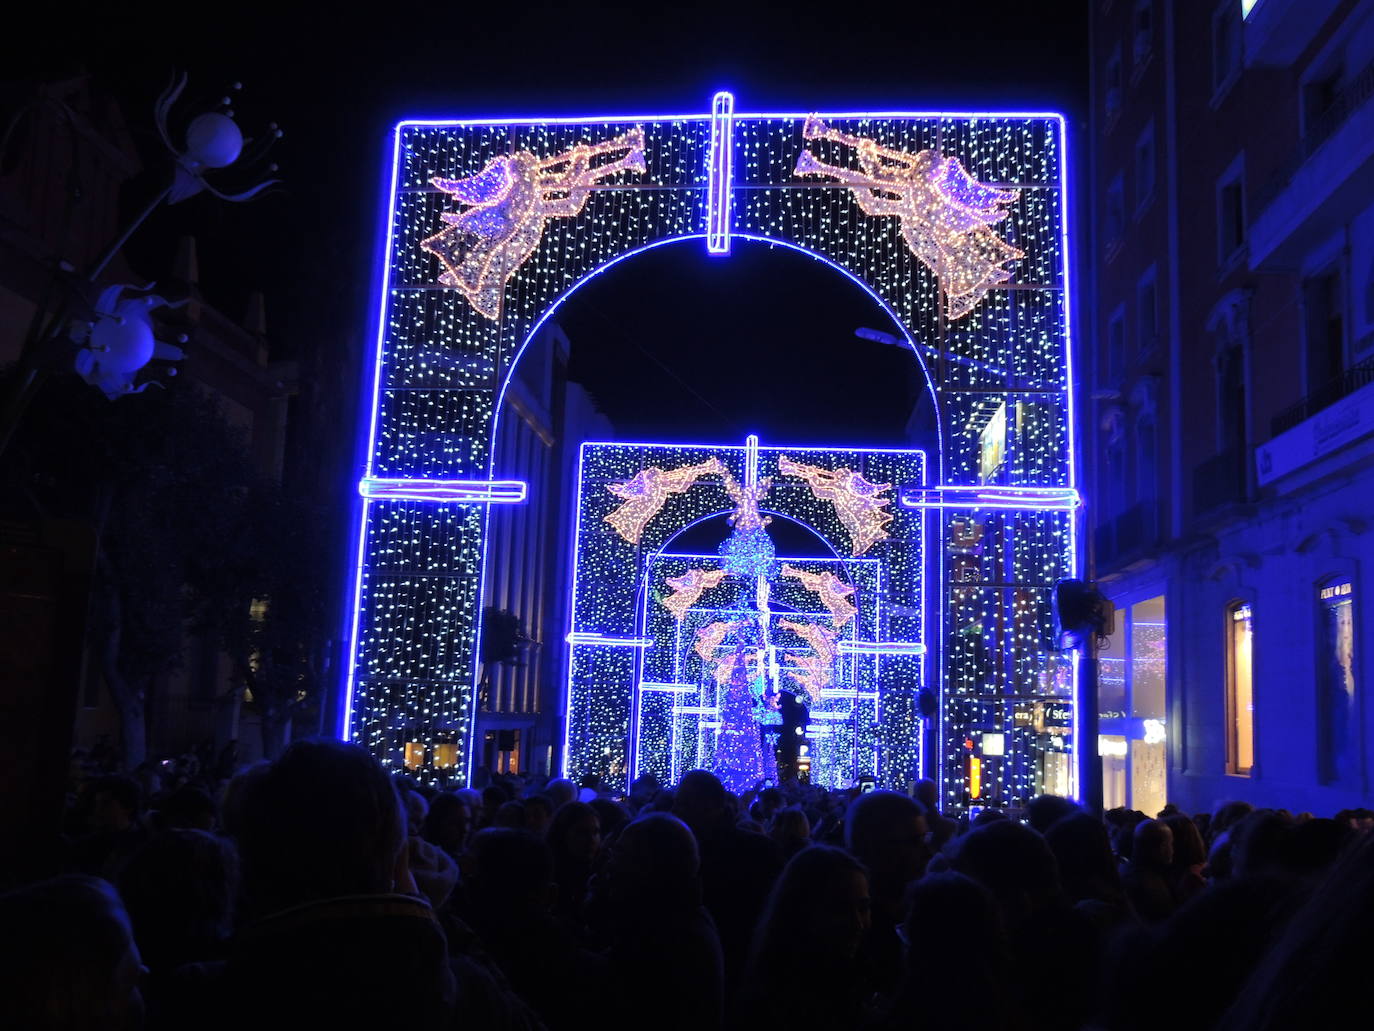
<point>1229,360</point>
<point>69,155</point>
<point>544,418</point>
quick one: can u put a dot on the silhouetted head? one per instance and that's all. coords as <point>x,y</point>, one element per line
<point>322,821</point>
<point>1014,864</point>
<point>1121,823</point>
<point>928,794</point>
<point>180,889</point>
<point>416,809</point>
<point>654,864</point>
<point>190,808</point>
<point>612,814</point>
<point>1153,845</point>
<point>1316,844</point>
<point>509,814</point>
<point>1227,815</point>
<point>1189,849</point>
<point>886,832</point>
<point>511,871</point>
<point>819,908</point>
<point>949,917</point>
<point>1083,853</point>
<point>115,803</point>
<point>790,829</point>
<point>68,958</point>
<point>643,790</point>
<point>1260,844</point>
<point>560,791</point>
<point>700,802</point>
<point>448,823</point>
<point>1045,811</point>
<point>538,813</point>
<point>575,835</point>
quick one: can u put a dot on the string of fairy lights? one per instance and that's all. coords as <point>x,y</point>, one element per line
<point>443,361</point>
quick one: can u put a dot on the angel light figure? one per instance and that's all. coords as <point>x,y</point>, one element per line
<point>858,503</point>
<point>813,671</point>
<point>647,491</point>
<point>833,592</point>
<point>509,203</point>
<point>689,587</point>
<point>946,215</point>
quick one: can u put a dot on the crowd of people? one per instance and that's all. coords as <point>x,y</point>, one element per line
<point>321,888</point>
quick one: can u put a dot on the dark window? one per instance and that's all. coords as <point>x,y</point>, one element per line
<point>1230,217</point>
<point>1144,30</point>
<point>1116,349</point>
<point>1145,167</point>
<point>1231,398</point>
<point>1147,459</point>
<point>1116,211</point>
<point>1116,478</point>
<point>1318,96</point>
<point>1325,317</point>
<point>1226,42</point>
<point>1114,87</point>
<point>1147,313</point>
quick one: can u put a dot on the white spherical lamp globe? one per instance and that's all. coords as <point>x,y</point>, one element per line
<point>213,140</point>
<point>123,345</point>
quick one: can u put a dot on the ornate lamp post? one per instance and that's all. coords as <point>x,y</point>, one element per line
<point>107,337</point>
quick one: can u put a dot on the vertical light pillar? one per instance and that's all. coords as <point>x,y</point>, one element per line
<point>720,173</point>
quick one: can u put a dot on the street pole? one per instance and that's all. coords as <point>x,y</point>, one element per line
<point>1089,762</point>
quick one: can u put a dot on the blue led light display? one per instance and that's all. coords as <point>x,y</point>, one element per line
<point>956,223</point>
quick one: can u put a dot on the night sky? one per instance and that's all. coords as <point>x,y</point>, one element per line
<point>729,339</point>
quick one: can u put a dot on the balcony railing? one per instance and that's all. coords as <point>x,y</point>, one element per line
<point>1219,481</point>
<point>1132,532</point>
<point>1351,380</point>
<point>1319,130</point>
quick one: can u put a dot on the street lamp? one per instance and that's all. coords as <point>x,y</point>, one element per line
<point>108,338</point>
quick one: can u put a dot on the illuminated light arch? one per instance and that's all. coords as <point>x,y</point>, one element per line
<point>836,730</point>
<point>429,435</point>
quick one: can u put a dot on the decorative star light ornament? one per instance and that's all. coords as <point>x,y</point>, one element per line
<point>647,491</point>
<point>858,503</point>
<point>689,587</point>
<point>945,214</point>
<point>748,551</point>
<point>834,593</point>
<point>510,201</point>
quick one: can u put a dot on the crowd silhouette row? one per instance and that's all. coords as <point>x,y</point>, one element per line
<point>319,888</point>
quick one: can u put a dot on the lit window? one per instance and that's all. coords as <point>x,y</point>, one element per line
<point>1149,774</point>
<point>1336,681</point>
<point>1240,691</point>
